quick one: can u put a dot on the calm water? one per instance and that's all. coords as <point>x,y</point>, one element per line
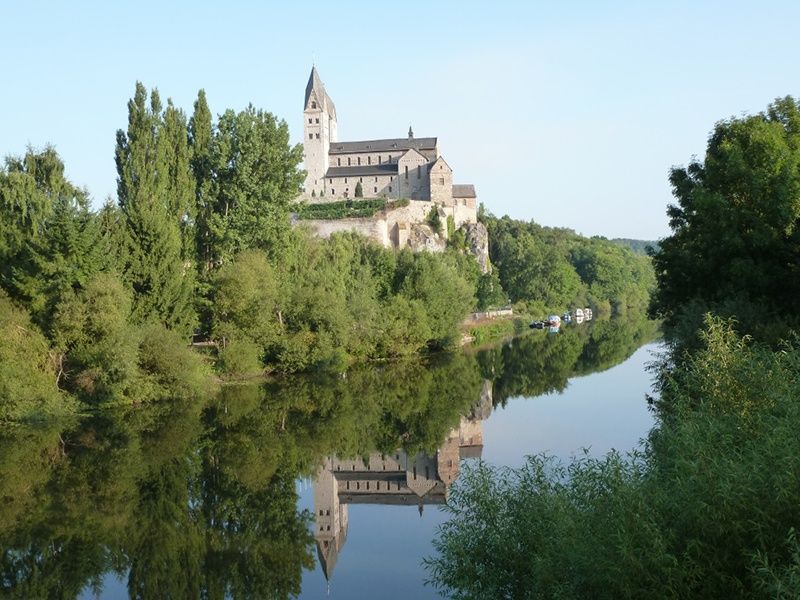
<point>305,487</point>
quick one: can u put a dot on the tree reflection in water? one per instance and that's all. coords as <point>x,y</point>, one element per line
<point>185,500</point>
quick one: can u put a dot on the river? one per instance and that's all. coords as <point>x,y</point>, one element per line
<point>303,487</point>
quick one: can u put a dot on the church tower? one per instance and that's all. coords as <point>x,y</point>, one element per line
<point>319,129</point>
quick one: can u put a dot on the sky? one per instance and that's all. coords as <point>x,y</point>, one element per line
<point>567,113</point>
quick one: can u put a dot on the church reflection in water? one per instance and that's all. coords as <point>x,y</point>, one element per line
<point>397,479</point>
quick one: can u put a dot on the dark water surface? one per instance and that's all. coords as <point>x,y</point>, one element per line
<point>305,487</point>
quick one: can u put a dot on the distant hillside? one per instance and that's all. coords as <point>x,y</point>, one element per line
<point>638,246</point>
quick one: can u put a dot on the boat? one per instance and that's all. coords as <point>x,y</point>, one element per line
<point>587,314</point>
<point>579,313</point>
<point>553,320</point>
<point>566,318</point>
<point>537,325</point>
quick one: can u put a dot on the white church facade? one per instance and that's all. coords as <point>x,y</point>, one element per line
<point>401,168</point>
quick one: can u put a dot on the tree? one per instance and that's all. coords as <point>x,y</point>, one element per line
<point>28,379</point>
<point>154,188</point>
<point>359,193</point>
<point>64,250</point>
<point>735,239</point>
<point>256,179</point>
<point>200,141</point>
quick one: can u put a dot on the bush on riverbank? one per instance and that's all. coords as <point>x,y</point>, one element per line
<point>707,508</point>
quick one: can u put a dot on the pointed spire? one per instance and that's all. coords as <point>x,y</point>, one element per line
<point>316,87</point>
<point>410,133</point>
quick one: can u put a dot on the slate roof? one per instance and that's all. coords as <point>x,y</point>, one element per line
<point>464,190</point>
<point>383,145</point>
<point>361,170</point>
<point>315,83</point>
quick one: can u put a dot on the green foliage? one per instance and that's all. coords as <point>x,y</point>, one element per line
<point>67,246</point>
<point>434,220</point>
<point>155,189</point>
<point>330,302</point>
<point>641,247</point>
<point>552,269</point>
<point>345,209</point>
<point>705,509</point>
<point>166,359</point>
<point>451,226</point>
<point>255,181</point>
<point>439,286</point>
<point>359,193</point>
<point>28,376</point>
<point>240,357</point>
<point>92,328</point>
<point>489,292</point>
<point>735,238</point>
<point>404,327</point>
<point>247,295</point>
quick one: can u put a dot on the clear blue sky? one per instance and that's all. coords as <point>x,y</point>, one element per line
<point>568,113</point>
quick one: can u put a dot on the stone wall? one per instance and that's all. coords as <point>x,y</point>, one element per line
<point>441,178</point>
<point>412,176</point>
<point>338,188</point>
<point>373,228</point>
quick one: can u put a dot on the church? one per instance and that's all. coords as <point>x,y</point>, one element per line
<point>409,168</point>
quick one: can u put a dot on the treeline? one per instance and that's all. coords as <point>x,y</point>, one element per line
<point>551,269</point>
<point>709,506</point>
<point>100,306</point>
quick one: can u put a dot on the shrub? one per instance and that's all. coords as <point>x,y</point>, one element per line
<point>240,357</point>
<point>434,220</point>
<point>171,364</point>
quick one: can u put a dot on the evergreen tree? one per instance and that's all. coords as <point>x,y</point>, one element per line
<point>200,138</point>
<point>359,190</point>
<point>60,260</point>
<point>25,204</point>
<point>60,251</point>
<point>154,190</point>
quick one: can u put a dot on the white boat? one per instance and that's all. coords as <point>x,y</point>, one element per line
<point>554,320</point>
<point>587,314</point>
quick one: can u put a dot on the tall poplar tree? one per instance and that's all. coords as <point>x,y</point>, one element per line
<point>200,138</point>
<point>154,189</point>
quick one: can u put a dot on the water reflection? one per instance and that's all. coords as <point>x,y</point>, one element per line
<point>398,478</point>
<point>191,500</point>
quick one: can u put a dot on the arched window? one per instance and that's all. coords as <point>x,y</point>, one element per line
<point>313,104</point>
<point>419,171</point>
<point>359,161</point>
<point>348,161</point>
<point>339,162</point>
<point>406,171</point>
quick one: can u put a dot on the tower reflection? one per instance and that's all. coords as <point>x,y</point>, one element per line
<point>398,479</point>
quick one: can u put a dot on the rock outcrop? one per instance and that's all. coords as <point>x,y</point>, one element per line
<point>477,239</point>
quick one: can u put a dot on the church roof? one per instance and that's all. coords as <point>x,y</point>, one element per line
<point>383,145</point>
<point>464,190</point>
<point>358,170</point>
<point>315,85</point>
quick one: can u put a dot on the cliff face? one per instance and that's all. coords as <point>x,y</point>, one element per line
<point>406,227</point>
<point>477,238</point>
